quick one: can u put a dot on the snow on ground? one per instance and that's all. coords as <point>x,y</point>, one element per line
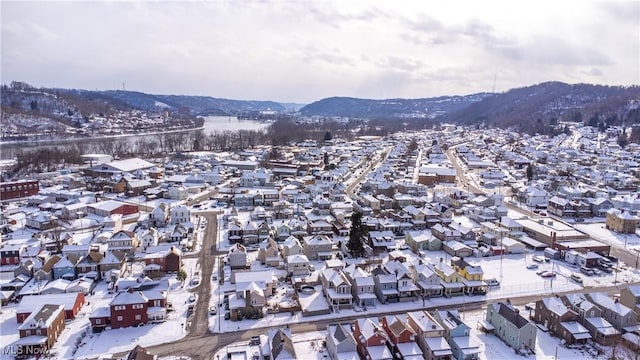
<point>309,345</point>
<point>78,341</point>
<point>600,232</point>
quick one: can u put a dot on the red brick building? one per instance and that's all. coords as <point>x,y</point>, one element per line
<point>130,308</point>
<point>40,330</point>
<point>10,254</point>
<point>71,303</point>
<point>18,189</point>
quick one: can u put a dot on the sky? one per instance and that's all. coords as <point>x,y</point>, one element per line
<point>303,51</point>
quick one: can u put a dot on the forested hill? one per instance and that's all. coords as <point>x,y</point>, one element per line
<point>550,102</point>
<point>390,108</point>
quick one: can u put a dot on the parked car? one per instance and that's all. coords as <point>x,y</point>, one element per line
<point>227,315</point>
<point>587,271</point>
<point>213,310</point>
<point>532,266</point>
<point>606,269</point>
<point>540,259</point>
<point>193,298</point>
<point>548,274</point>
<point>577,278</point>
<point>492,282</point>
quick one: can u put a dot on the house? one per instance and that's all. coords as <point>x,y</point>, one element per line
<point>318,247</point>
<point>386,286</point>
<point>297,265</point>
<point>111,261</point>
<point>179,214</point>
<point>450,279</point>
<point>560,320</point>
<point>10,254</point>
<point>622,221</point>
<point>402,337</point>
<point>630,297</point>
<point>64,268</point>
<point>428,282</point>
<point>70,302</point>
<point>237,256</point>
<point>336,288</point>
<point>407,289</point>
<point>456,331</point>
<point>620,316</point>
<point>429,336</point>
<point>123,241</point>
<point>456,248</point>
<point>372,340</point>
<point>169,260</point>
<point>269,254</point>
<point>264,279</point>
<point>511,327</point>
<point>130,308</point>
<point>280,344</point>
<point>362,286</point>
<point>472,275</point>
<point>159,216</point>
<point>41,220</point>
<point>422,240</point>
<point>40,330</point>
<point>341,343</point>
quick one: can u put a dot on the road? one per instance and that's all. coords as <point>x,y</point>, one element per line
<point>203,346</point>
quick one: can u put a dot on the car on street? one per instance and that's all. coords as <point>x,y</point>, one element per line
<point>193,298</point>
<point>492,282</point>
<point>213,310</point>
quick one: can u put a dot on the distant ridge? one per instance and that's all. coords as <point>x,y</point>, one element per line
<point>428,108</point>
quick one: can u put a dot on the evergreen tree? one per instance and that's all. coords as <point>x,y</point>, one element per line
<point>357,235</point>
<point>529,172</point>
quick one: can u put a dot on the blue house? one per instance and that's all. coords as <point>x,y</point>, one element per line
<point>456,332</point>
<point>64,269</point>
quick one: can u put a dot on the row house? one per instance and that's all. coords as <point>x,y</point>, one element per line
<point>250,233</point>
<point>560,320</point>
<point>402,337</point>
<point>590,316</point>
<point>568,208</point>
<point>620,316</point>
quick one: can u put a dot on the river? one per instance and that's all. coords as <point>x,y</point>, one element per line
<point>211,124</point>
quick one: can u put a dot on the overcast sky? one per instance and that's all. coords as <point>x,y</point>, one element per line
<point>295,51</point>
